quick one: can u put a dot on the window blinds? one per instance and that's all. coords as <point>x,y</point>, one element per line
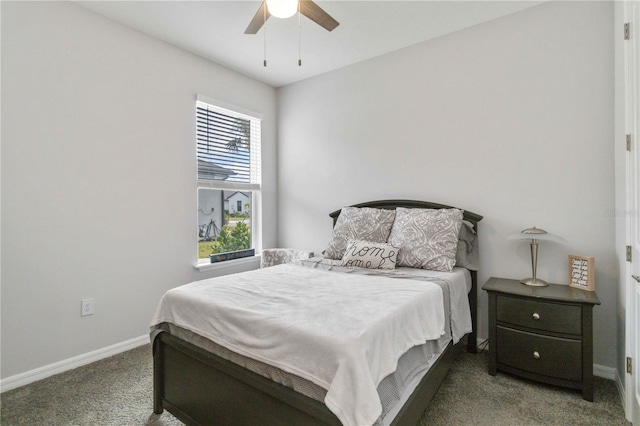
<point>228,146</point>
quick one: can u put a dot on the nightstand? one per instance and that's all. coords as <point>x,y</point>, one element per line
<point>542,333</point>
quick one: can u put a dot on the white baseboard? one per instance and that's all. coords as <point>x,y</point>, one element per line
<point>621,391</point>
<point>484,341</point>
<point>605,372</point>
<point>611,374</point>
<point>40,373</point>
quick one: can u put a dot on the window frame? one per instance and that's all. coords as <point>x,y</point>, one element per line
<point>254,187</point>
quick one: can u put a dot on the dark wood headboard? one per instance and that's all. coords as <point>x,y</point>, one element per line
<point>410,204</point>
<point>471,217</point>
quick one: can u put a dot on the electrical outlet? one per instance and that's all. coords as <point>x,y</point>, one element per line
<point>86,307</point>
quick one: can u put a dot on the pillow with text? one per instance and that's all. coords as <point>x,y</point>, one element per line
<point>364,254</point>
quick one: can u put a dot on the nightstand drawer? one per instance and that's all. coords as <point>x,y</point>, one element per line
<point>550,356</point>
<point>540,315</point>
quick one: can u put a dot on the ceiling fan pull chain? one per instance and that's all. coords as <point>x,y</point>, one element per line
<point>264,14</point>
<point>299,37</point>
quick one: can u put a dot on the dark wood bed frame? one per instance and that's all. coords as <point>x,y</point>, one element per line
<point>201,388</point>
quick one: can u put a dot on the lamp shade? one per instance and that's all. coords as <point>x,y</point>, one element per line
<point>536,234</point>
<point>282,8</point>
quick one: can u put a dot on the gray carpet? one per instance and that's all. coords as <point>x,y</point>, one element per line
<point>118,391</point>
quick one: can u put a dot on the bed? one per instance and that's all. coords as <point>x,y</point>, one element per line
<point>202,376</point>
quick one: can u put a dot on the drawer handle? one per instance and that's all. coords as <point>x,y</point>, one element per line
<point>535,316</point>
<point>536,354</point>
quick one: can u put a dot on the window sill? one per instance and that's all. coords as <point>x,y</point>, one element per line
<point>204,265</point>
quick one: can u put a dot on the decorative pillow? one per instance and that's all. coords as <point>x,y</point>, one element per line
<point>277,256</point>
<point>365,224</point>
<point>427,238</point>
<point>364,254</point>
<point>467,251</point>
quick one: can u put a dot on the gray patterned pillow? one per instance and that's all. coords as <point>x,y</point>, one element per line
<point>467,252</point>
<point>277,256</point>
<point>428,238</point>
<point>366,224</point>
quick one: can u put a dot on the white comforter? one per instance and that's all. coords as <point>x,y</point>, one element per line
<point>343,332</point>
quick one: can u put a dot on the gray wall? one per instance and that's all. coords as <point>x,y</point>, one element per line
<point>512,119</point>
<point>99,177</point>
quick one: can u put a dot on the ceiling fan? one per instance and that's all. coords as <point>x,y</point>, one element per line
<point>286,9</point>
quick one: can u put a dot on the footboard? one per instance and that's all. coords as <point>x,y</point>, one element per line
<point>200,388</point>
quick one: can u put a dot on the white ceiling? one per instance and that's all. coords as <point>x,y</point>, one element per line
<point>215,30</point>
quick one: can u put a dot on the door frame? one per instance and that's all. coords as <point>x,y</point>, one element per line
<point>631,53</point>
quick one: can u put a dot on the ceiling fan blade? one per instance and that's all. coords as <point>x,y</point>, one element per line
<point>258,20</point>
<point>314,12</point>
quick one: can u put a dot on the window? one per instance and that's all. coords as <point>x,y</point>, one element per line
<point>228,150</point>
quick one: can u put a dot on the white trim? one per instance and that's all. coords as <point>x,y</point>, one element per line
<point>621,391</point>
<point>228,186</point>
<point>605,372</point>
<point>256,221</point>
<point>631,15</point>
<point>484,341</point>
<point>229,107</point>
<point>205,265</point>
<point>71,363</point>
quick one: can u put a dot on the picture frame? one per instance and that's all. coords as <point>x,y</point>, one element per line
<point>582,272</point>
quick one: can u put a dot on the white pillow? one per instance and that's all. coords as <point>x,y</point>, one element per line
<point>427,238</point>
<point>364,254</point>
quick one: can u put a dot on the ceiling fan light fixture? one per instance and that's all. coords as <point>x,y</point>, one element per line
<point>282,8</point>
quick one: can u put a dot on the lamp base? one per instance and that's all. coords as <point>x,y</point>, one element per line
<point>537,282</point>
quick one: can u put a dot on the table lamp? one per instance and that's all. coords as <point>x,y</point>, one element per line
<point>534,234</point>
